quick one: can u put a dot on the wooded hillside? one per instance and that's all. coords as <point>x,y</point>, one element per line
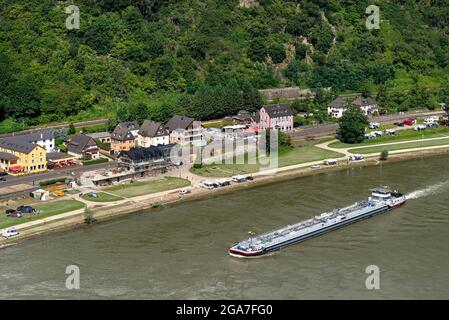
<point>206,58</point>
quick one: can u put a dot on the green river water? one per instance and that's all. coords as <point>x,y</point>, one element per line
<point>181,251</point>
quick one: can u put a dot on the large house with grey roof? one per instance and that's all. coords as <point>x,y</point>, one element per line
<point>338,106</point>
<point>124,136</point>
<point>83,147</point>
<point>152,134</point>
<point>278,116</point>
<point>44,138</point>
<point>18,156</point>
<point>184,130</point>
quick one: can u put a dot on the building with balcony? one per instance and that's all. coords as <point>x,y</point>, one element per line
<point>146,161</point>
<point>184,130</point>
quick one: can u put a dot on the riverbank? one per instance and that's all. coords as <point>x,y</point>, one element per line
<point>157,201</point>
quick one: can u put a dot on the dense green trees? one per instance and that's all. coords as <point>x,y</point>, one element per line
<point>207,58</point>
<point>352,125</point>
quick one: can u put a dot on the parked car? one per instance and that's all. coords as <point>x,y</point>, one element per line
<point>444,122</point>
<point>222,182</point>
<point>390,132</point>
<point>377,134</point>
<point>430,120</point>
<point>10,232</point>
<point>432,125</point>
<point>356,157</point>
<point>374,125</point>
<point>315,166</point>
<point>409,122</point>
<point>14,214</point>
<point>420,127</point>
<point>8,211</point>
<point>26,209</point>
<point>330,162</point>
<point>184,191</point>
<point>239,179</point>
<point>207,185</point>
<point>3,174</point>
<point>2,179</point>
<point>399,124</point>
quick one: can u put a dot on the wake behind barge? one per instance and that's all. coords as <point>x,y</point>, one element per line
<point>381,200</point>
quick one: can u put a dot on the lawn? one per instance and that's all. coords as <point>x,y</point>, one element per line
<point>403,135</point>
<point>287,157</point>
<point>401,146</point>
<point>102,197</point>
<point>147,187</point>
<point>46,210</point>
<point>218,123</point>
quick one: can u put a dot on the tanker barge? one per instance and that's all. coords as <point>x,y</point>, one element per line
<point>381,200</point>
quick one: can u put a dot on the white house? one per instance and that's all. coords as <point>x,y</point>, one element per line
<point>152,134</point>
<point>337,107</point>
<point>45,139</point>
<point>368,105</point>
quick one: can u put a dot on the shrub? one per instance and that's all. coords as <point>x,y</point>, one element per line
<point>51,181</point>
<point>384,155</point>
<point>96,161</point>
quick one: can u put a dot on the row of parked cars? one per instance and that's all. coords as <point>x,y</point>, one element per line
<point>21,211</point>
<point>378,134</point>
<point>224,182</point>
<point>333,162</point>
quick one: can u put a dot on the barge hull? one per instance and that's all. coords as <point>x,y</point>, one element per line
<point>325,230</point>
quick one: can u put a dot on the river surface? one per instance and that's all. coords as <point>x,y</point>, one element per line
<point>181,252</point>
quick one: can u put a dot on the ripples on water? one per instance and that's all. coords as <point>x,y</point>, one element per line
<point>181,252</point>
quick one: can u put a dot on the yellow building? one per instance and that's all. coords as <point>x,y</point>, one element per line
<point>123,137</point>
<point>21,157</point>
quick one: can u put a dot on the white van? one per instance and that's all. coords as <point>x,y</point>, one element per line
<point>356,157</point>
<point>208,185</point>
<point>330,162</point>
<point>429,120</point>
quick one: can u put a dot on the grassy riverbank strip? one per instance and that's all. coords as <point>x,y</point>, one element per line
<point>45,210</point>
<point>287,157</point>
<point>403,135</point>
<point>407,145</point>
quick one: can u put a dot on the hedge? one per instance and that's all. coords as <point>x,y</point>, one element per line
<point>51,181</point>
<point>96,161</point>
